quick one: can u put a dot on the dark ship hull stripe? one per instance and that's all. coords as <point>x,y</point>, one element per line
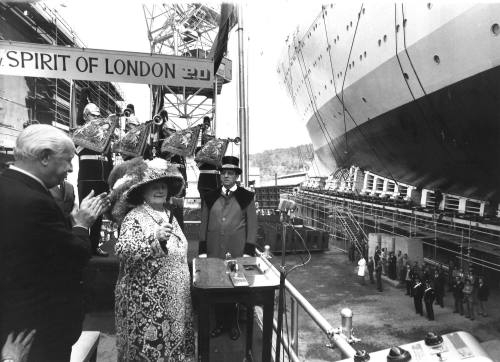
<point>442,140</point>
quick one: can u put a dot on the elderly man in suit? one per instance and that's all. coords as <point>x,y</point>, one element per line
<point>228,225</point>
<point>41,254</point>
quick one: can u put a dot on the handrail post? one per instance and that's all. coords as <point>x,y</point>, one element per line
<point>295,326</point>
<point>335,335</point>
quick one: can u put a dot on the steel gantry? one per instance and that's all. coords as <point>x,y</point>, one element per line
<point>188,30</point>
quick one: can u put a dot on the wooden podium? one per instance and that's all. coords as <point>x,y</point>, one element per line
<point>213,285</point>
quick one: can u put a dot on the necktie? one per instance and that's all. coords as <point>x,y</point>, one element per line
<point>227,192</point>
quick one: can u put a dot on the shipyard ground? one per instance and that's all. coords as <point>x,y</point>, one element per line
<point>381,319</point>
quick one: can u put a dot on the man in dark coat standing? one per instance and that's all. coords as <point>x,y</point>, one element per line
<point>458,295</point>
<point>392,266</point>
<point>371,268</point>
<point>376,257</point>
<point>429,296</point>
<point>418,294</point>
<point>409,280</point>
<point>41,254</point>
<point>439,280</point>
<point>229,222</point>
<point>228,225</point>
<point>378,273</point>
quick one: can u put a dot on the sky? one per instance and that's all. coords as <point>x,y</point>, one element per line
<point>273,121</point>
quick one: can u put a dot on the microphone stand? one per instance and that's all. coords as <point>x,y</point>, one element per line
<point>281,293</point>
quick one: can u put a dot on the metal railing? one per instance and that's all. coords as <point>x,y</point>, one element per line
<point>336,336</point>
<point>349,222</point>
<point>469,241</point>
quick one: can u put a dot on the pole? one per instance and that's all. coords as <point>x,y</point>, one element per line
<point>295,326</point>
<point>281,294</point>
<point>242,111</point>
<point>72,104</point>
<point>214,108</point>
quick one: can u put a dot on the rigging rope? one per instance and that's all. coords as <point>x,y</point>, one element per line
<point>313,161</point>
<point>316,113</point>
<point>442,123</point>
<point>358,128</point>
<point>345,73</point>
<point>301,159</point>
<point>405,78</point>
<point>310,92</point>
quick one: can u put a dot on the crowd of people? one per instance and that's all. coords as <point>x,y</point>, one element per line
<point>46,243</point>
<point>426,284</point>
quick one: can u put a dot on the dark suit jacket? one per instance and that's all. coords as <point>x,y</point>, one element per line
<point>41,260</point>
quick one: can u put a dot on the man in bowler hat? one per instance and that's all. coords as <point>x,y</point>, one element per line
<point>228,225</point>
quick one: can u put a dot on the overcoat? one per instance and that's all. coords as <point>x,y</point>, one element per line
<point>228,224</point>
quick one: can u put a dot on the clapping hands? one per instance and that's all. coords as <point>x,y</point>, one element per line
<point>90,209</point>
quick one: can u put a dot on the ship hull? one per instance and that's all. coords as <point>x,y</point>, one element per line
<point>459,154</point>
<point>409,92</point>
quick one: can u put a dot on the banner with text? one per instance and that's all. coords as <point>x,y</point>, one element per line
<point>49,61</point>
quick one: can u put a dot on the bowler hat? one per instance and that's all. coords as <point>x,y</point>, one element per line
<point>231,163</point>
<point>131,108</point>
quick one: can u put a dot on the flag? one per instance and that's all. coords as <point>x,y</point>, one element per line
<point>227,21</point>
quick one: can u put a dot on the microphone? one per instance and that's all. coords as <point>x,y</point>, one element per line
<point>286,205</point>
<point>163,243</point>
<point>174,201</point>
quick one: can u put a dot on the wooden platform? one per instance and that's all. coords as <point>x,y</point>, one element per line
<point>222,348</point>
<point>100,280</point>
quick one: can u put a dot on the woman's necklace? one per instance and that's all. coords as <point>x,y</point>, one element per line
<point>161,220</point>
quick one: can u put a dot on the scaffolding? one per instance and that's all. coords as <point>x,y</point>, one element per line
<point>187,30</point>
<point>466,242</point>
<point>50,100</point>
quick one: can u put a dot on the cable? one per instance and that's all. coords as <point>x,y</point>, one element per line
<point>316,113</point>
<point>358,128</point>
<point>431,105</point>
<point>301,158</point>
<point>405,78</point>
<point>310,93</point>
<point>313,162</point>
<point>305,248</point>
<point>285,275</point>
<point>345,74</point>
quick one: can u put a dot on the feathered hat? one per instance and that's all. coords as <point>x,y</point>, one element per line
<point>128,179</point>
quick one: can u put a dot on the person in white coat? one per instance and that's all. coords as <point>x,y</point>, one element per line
<point>361,270</point>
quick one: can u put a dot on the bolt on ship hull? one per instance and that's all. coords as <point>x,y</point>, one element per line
<point>408,91</point>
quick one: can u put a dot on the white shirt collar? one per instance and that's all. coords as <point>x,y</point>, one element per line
<point>232,189</point>
<point>12,167</point>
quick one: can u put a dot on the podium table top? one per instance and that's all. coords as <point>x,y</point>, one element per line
<point>211,274</point>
